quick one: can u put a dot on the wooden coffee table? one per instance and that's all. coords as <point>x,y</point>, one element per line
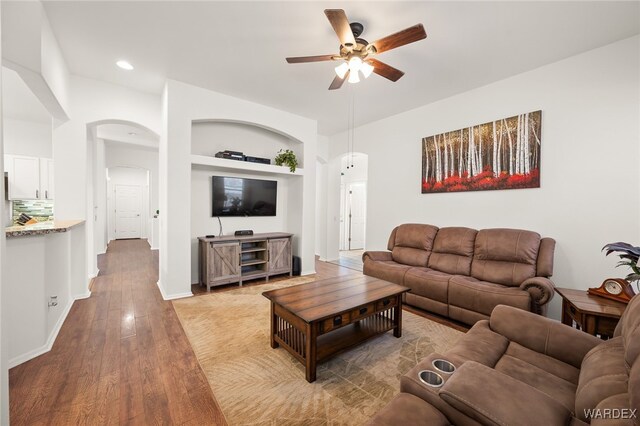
<point>321,319</point>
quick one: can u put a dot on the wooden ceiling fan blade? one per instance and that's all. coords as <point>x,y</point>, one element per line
<point>317,58</point>
<point>340,24</point>
<point>338,82</point>
<point>386,71</point>
<point>400,38</point>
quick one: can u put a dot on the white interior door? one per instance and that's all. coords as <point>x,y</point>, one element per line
<point>344,207</point>
<point>357,214</point>
<point>128,211</point>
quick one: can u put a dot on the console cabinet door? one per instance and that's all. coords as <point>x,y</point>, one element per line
<point>279,255</point>
<point>223,263</point>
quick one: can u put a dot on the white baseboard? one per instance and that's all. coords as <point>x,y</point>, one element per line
<point>155,248</point>
<point>172,296</point>
<point>92,275</point>
<point>82,296</point>
<point>50,341</point>
<point>308,272</point>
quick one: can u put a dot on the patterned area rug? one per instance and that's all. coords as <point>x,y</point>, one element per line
<point>257,385</point>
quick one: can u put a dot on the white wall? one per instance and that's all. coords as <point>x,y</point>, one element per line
<point>322,179</point>
<point>128,176</point>
<point>590,192</point>
<point>27,138</point>
<point>4,326</point>
<point>38,267</point>
<point>184,104</point>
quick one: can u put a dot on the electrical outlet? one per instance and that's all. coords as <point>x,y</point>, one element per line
<point>53,301</point>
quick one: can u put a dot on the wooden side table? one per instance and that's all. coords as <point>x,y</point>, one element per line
<point>592,314</point>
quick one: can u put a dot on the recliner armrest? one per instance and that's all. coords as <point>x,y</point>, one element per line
<point>541,290</point>
<point>542,335</point>
<point>377,255</point>
<point>493,398</point>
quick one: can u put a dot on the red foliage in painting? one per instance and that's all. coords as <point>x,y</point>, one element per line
<point>484,181</point>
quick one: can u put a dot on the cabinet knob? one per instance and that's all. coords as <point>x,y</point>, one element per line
<point>37,194</point>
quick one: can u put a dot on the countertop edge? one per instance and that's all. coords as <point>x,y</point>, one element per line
<point>57,226</point>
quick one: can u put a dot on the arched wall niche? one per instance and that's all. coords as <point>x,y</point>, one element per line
<point>254,139</point>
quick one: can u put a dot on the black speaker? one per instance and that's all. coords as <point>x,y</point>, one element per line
<point>296,265</point>
<point>244,232</point>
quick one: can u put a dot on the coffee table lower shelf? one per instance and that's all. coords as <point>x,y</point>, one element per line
<point>304,341</point>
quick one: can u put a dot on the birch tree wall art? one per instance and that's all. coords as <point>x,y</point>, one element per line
<point>501,154</point>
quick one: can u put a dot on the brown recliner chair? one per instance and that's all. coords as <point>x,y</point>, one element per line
<point>523,369</point>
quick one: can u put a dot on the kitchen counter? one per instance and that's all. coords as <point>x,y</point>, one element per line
<point>42,228</point>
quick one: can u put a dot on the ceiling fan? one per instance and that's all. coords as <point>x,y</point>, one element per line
<point>357,53</point>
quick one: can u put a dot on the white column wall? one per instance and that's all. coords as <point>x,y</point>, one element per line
<point>183,104</point>
<point>92,101</point>
<point>4,354</point>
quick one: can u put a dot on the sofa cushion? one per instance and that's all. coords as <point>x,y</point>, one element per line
<point>428,283</point>
<point>481,296</point>
<point>453,250</point>
<point>387,270</point>
<point>616,402</point>
<point>545,362</point>
<point>505,256</point>
<point>413,243</point>
<point>410,256</point>
<point>407,409</point>
<point>603,374</point>
<point>629,329</point>
<point>479,344</point>
<point>559,389</point>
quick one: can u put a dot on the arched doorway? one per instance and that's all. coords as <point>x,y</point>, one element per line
<point>353,209</point>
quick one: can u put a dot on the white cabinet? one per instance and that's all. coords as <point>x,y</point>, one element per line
<point>46,179</point>
<point>30,178</point>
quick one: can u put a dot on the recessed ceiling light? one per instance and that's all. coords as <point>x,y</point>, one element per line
<point>132,133</point>
<point>124,65</point>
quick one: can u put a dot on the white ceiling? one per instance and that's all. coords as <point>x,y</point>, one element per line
<point>18,102</point>
<point>238,48</point>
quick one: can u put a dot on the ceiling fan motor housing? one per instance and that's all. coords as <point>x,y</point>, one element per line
<point>356,28</point>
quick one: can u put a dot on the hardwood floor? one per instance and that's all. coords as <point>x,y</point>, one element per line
<point>121,356</point>
<point>351,259</point>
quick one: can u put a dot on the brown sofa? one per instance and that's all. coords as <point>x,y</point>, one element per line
<point>462,273</point>
<point>523,369</point>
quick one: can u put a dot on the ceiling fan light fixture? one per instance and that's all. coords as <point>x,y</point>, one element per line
<point>355,64</point>
<point>353,77</point>
<point>366,69</point>
<point>341,70</point>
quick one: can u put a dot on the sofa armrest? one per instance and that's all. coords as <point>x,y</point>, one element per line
<point>542,335</point>
<point>377,255</point>
<point>493,398</point>
<point>541,290</point>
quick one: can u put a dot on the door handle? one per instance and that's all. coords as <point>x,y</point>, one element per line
<point>137,215</point>
<point>46,193</point>
<point>37,194</point>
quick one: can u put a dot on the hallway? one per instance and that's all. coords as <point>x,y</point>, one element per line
<point>121,356</point>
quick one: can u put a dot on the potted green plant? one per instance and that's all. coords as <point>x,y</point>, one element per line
<point>629,256</point>
<point>288,158</point>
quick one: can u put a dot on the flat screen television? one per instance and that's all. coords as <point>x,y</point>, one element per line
<point>234,196</point>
